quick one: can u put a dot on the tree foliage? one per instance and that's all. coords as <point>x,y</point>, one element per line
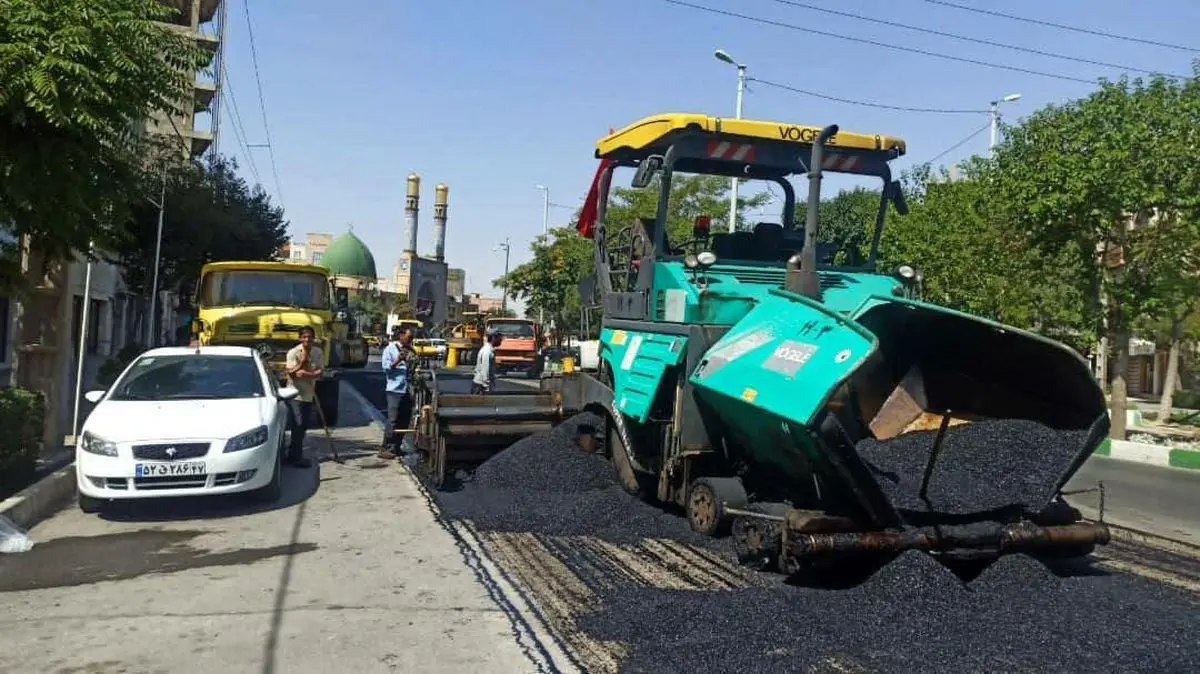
<point>211,214</point>
<point>77,79</point>
<point>549,282</point>
<point>1112,179</point>
<point>691,196</point>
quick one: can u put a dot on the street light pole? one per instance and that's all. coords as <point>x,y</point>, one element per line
<point>723,55</point>
<point>545,231</point>
<point>162,204</point>
<point>995,114</point>
<point>83,340</point>
<point>504,298</point>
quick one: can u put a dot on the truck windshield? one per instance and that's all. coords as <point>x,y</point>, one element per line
<point>513,329</point>
<point>236,288</point>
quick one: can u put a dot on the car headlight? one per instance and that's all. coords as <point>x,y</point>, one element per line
<point>247,440</point>
<point>93,444</point>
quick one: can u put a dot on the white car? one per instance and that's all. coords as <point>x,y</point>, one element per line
<point>184,421</point>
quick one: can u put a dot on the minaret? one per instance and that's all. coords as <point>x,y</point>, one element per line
<point>441,204</point>
<point>412,201</point>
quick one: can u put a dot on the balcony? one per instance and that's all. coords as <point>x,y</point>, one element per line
<point>208,11</point>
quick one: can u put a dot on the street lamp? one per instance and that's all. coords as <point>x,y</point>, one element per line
<point>995,113</point>
<point>506,248</point>
<point>724,56</point>
<point>545,207</point>
<point>545,230</point>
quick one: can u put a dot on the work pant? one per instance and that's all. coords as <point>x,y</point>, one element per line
<point>399,417</point>
<point>300,418</point>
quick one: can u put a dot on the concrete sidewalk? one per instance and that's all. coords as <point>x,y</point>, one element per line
<point>351,572</point>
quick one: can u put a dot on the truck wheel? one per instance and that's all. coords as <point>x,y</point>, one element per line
<point>706,503</point>
<point>327,397</point>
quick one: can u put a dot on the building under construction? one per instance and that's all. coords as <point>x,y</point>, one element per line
<point>202,21</point>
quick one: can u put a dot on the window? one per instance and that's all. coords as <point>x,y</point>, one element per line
<point>190,377</point>
<point>513,330</point>
<point>264,288</point>
<point>297,255</point>
<point>93,333</point>
<point>316,258</point>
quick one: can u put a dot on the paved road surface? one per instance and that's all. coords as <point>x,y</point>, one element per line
<point>1161,501</point>
<point>350,573</point>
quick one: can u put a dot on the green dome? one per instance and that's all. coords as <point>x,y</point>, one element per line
<point>349,256</point>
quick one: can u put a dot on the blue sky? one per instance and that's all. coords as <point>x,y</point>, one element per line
<point>496,96</point>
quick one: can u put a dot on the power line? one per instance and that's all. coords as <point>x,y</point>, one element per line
<point>869,104</point>
<point>967,38</point>
<point>1060,26</point>
<point>239,129</point>
<point>262,101</point>
<point>959,144</point>
<point>876,43</point>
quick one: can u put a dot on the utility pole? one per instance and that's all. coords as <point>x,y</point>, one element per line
<point>723,55</point>
<point>545,232</point>
<point>151,340</point>
<point>995,114</point>
<point>504,299</point>
<point>81,353</point>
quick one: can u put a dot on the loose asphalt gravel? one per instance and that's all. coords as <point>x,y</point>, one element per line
<point>913,615</point>
<point>977,467</point>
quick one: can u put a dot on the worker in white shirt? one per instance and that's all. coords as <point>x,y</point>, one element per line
<point>485,364</point>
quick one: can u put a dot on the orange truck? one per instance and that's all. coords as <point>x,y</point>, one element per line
<point>521,347</point>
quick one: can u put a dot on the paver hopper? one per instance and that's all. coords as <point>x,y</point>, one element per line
<point>457,429</point>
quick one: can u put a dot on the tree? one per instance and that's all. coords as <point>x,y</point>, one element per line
<point>847,220</point>
<point>955,235</point>
<point>1092,177</point>
<point>211,214</point>
<point>77,79</point>
<point>550,281</point>
<point>499,312</point>
<point>691,196</point>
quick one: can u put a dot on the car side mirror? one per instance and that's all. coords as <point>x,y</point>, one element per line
<point>93,396</point>
<point>288,393</point>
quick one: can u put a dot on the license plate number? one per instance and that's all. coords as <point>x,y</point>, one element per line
<point>169,469</point>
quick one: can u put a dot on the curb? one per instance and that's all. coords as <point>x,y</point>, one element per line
<point>37,501</point>
<point>1153,455</point>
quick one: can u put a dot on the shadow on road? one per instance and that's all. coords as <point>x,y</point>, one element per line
<point>299,485</point>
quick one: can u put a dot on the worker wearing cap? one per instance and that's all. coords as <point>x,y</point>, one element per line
<point>485,364</point>
<point>400,365</point>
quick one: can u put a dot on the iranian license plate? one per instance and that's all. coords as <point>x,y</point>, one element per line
<point>169,469</point>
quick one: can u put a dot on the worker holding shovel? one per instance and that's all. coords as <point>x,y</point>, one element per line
<point>305,363</point>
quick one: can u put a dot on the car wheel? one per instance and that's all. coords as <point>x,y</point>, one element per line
<point>89,505</point>
<point>271,491</point>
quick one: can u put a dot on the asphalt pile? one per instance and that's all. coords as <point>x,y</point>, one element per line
<point>913,615</point>
<point>545,484</point>
<point>982,466</point>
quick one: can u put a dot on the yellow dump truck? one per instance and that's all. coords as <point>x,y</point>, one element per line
<point>265,304</point>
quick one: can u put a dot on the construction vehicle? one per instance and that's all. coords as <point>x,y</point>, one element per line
<point>521,346</point>
<point>466,337</point>
<point>265,304</point>
<point>739,372</point>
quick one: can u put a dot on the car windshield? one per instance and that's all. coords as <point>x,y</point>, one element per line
<point>235,288</point>
<point>189,377</point>
<point>518,330</point>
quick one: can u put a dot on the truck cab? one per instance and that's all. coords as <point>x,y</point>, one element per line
<point>520,348</point>
<point>264,305</point>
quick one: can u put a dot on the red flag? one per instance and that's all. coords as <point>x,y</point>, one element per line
<point>591,205</point>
